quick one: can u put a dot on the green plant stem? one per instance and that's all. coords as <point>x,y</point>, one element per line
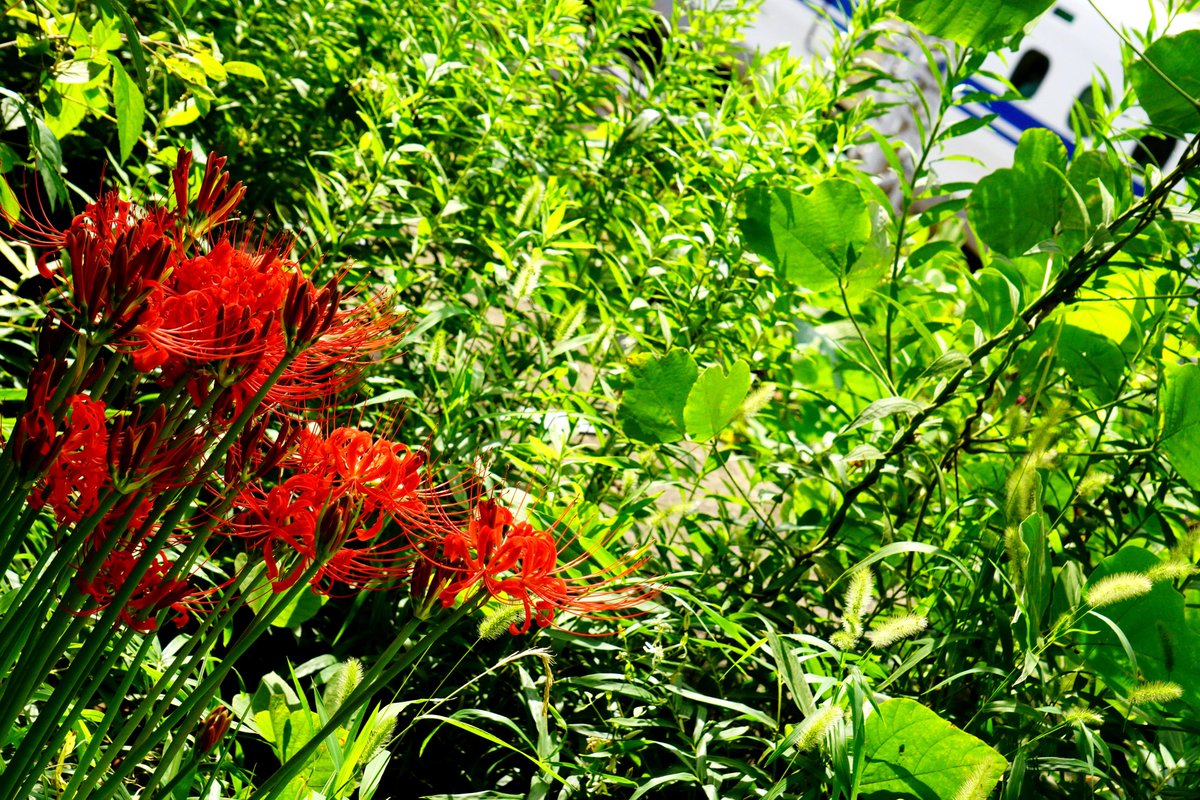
<point>382,673</point>
<point>191,704</point>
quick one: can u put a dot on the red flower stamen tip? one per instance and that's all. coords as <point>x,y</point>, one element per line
<point>517,564</point>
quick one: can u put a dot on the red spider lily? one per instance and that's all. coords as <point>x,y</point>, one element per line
<point>349,487</point>
<point>35,442</point>
<point>212,730</point>
<point>519,564</point>
<point>154,592</point>
<point>73,483</point>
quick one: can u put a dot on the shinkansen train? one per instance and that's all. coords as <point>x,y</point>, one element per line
<point>1053,68</point>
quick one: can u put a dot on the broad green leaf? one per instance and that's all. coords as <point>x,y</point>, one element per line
<point>979,23</point>
<point>1092,175</point>
<point>65,107</point>
<point>812,239</point>
<point>652,406</point>
<point>1156,626</point>
<point>1168,106</point>
<point>912,752</point>
<point>1095,362</point>
<point>715,399</point>
<point>182,114</point>
<point>131,109</point>
<point>884,408</point>
<point>245,69</point>
<point>299,610</point>
<point>1014,209</point>
<point>1180,419</point>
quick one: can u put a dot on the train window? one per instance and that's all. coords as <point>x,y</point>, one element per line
<point>1030,72</point>
<point>1154,150</point>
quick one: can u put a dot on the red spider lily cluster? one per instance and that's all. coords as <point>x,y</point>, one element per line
<point>181,401</point>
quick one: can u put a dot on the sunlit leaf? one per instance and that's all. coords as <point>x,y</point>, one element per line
<point>912,752</point>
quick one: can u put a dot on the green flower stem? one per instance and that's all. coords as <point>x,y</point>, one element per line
<point>385,670</point>
<point>201,700</point>
<point>194,702</point>
<point>164,692</point>
<point>16,531</point>
<point>28,766</point>
<point>168,687</point>
<point>25,621</point>
<point>51,646</point>
<point>161,695</point>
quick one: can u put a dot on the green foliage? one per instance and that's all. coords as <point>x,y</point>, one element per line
<point>1166,83</point>
<point>714,400</point>
<point>912,752</point>
<point>812,239</point>
<point>653,407</point>
<point>598,243</point>
<point>1015,209</point>
<point>985,24</point>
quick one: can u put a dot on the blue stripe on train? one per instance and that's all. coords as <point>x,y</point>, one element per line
<point>839,11</point>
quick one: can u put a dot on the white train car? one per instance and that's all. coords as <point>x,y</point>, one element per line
<point>1052,69</point>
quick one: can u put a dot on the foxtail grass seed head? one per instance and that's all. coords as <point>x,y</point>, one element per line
<point>343,684</point>
<point>437,354</point>
<point>903,626</point>
<point>1082,715</point>
<point>1092,484</point>
<point>757,400</point>
<point>1155,693</point>
<point>975,787</point>
<point>1171,571</point>
<point>381,733</point>
<point>497,623</point>
<point>570,322</point>
<point>527,279</point>
<point>812,730</point>
<point>858,594</point>
<point>1117,587</point>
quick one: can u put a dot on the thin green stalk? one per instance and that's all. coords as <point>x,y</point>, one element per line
<point>49,646</point>
<point>197,699</point>
<point>23,771</point>
<point>15,533</point>
<point>159,696</point>
<point>382,673</point>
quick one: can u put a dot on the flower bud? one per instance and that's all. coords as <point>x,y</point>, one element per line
<point>212,730</point>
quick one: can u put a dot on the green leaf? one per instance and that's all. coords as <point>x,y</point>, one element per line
<point>300,609</point>
<point>9,207</point>
<point>1093,175</point>
<point>884,408</point>
<point>652,406</point>
<point>1175,57</point>
<point>133,39</point>
<point>245,69</point>
<point>715,399</point>
<point>182,114</point>
<point>1037,573</point>
<point>1180,419</point>
<point>912,752</point>
<point>1014,209</point>
<point>980,23</point>
<point>811,239</point>
<point>1155,625</point>
<point>131,109</point>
